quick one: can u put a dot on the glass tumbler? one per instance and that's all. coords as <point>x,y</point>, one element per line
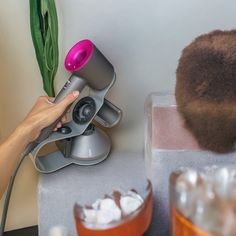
<point>133,224</point>
<point>203,202</point>
<point>180,224</point>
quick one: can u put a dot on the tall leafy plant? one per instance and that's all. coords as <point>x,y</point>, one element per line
<point>44,31</point>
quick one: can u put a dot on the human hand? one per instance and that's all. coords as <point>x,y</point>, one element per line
<point>44,113</point>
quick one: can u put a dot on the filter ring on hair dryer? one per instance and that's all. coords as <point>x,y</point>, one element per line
<point>84,110</point>
<point>79,55</point>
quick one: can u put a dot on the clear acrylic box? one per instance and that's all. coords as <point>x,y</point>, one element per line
<point>168,147</point>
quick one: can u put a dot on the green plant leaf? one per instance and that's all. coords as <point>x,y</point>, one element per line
<point>44,31</point>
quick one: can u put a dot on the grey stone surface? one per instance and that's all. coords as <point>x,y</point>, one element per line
<point>83,184</point>
<point>59,191</point>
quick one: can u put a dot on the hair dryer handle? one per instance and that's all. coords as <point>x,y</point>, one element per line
<point>74,83</point>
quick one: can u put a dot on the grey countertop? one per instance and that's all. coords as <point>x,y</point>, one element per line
<point>59,191</point>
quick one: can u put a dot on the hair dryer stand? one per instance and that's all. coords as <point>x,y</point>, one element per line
<point>89,148</point>
<point>79,141</point>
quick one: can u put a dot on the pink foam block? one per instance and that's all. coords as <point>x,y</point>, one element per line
<point>168,131</point>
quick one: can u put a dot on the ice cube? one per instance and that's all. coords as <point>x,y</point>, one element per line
<point>108,211</point>
<point>90,215</point>
<point>184,190</point>
<point>135,195</point>
<point>96,204</point>
<point>225,183</point>
<point>130,204</point>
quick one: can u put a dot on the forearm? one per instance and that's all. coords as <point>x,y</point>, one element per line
<point>41,115</point>
<point>10,152</point>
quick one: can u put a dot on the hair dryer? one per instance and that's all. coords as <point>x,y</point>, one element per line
<point>89,67</point>
<point>79,141</point>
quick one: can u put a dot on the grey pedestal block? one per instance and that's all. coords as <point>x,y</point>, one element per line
<point>168,147</point>
<point>83,184</point>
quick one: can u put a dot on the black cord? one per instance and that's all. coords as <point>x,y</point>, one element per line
<point>29,148</point>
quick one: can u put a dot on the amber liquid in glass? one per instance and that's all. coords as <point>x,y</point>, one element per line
<point>183,227</point>
<point>133,225</point>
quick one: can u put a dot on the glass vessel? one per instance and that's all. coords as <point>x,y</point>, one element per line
<point>181,225</point>
<point>133,224</point>
<point>203,202</point>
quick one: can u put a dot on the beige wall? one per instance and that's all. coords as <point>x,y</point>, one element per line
<point>142,39</point>
<point>19,86</point>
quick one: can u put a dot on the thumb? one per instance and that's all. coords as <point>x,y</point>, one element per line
<point>68,99</point>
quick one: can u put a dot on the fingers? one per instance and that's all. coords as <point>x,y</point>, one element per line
<point>69,99</point>
<point>61,106</point>
<point>58,126</point>
<point>64,119</point>
<point>50,100</point>
<point>49,113</point>
<point>64,103</point>
<point>43,99</point>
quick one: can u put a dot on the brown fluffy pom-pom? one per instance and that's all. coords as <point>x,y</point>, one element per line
<point>206,89</point>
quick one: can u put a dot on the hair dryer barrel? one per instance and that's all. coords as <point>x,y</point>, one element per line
<point>86,61</point>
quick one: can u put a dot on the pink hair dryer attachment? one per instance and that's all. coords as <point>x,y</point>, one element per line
<point>79,55</point>
<point>90,68</point>
<point>84,60</point>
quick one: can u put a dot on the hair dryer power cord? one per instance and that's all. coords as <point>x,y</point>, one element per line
<point>29,148</point>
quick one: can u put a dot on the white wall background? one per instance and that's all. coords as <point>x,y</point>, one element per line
<point>142,39</point>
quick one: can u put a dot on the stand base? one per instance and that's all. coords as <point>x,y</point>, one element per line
<point>89,148</point>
